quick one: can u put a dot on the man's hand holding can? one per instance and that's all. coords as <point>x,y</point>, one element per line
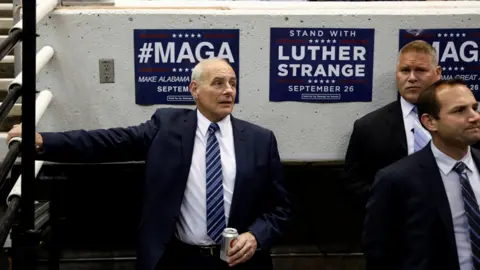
<point>243,249</point>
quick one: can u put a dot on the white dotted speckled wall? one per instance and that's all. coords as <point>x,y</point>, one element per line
<point>305,131</point>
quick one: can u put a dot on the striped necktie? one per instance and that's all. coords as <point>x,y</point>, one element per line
<point>421,137</point>
<point>472,212</point>
<point>214,186</point>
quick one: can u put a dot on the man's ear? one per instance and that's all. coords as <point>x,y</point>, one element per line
<point>438,70</point>
<point>194,89</point>
<point>429,122</point>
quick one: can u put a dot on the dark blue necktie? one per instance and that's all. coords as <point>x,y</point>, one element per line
<point>472,212</point>
<point>215,205</point>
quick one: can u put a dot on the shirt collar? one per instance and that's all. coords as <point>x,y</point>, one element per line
<point>446,163</point>
<point>407,107</point>
<point>203,123</point>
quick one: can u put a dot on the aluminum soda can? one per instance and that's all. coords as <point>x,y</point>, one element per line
<point>228,238</point>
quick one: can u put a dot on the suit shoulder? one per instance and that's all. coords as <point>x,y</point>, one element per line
<point>405,167</point>
<point>254,127</point>
<point>372,118</point>
<point>170,114</point>
<point>171,111</point>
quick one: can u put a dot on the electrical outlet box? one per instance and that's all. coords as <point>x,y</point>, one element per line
<point>106,70</point>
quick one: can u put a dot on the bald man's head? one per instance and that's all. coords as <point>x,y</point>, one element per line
<point>214,86</point>
<point>198,72</point>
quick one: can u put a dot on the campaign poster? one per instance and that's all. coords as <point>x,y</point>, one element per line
<point>164,59</point>
<point>457,52</point>
<point>321,64</point>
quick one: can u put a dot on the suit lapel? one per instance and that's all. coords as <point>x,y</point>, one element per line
<point>394,120</point>
<point>476,156</point>
<point>431,173</point>
<point>188,129</point>
<point>241,162</point>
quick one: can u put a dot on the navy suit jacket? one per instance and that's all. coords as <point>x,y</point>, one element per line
<point>260,203</point>
<point>408,223</point>
<point>378,139</point>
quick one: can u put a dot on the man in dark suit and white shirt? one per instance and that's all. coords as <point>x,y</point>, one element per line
<point>205,170</point>
<point>387,134</point>
<point>423,212</point>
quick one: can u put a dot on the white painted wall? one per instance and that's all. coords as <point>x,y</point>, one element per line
<point>305,131</point>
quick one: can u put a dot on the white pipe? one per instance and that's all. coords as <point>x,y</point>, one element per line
<point>8,59</point>
<point>42,58</point>
<point>41,104</point>
<point>17,188</point>
<point>43,8</point>
<point>8,7</point>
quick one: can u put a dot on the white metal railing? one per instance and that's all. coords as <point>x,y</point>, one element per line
<point>41,104</point>
<point>43,8</point>
<point>43,56</point>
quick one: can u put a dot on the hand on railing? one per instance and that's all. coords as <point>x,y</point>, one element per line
<point>15,134</point>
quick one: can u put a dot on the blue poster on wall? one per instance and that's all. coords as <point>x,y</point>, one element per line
<point>164,60</point>
<point>321,64</point>
<point>457,51</point>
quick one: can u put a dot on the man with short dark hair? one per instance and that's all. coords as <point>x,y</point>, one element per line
<point>205,171</point>
<point>423,211</point>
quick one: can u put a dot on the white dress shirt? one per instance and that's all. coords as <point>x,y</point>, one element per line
<point>409,117</point>
<point>192,224</point>
<point>453,187</point>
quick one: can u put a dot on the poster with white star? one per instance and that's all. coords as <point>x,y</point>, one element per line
<point>164,60</point>
<point>457,51</point>
<point>321,64</point>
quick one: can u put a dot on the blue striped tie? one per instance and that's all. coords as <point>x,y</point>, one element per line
<point>214,194</point>
<point>420,136</point>
<point>472,212</point>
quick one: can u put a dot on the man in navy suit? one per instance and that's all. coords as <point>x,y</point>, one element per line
<point>386,135</point>
<point>205,170</point>
<point>423,211</point>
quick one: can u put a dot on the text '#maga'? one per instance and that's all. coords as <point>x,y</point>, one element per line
<point>171,52</point>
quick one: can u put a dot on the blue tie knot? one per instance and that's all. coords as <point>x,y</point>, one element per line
<point>415,109</point>
<point>459,167</point>
<point>213,128</point>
